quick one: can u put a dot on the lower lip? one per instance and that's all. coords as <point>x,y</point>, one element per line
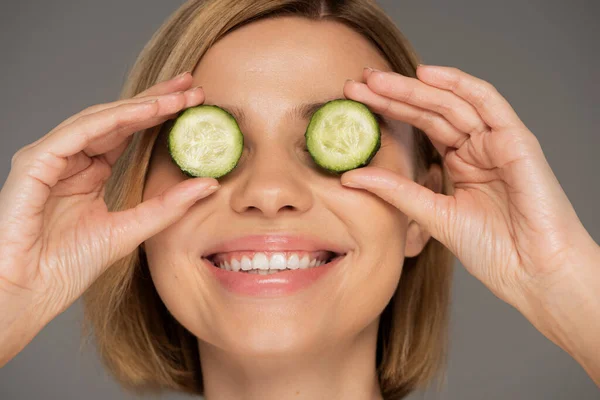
<point>273,285</point>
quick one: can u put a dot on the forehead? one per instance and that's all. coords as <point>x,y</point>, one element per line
<point>285,60</point>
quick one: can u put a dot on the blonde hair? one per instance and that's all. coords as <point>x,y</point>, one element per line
<point>139,341</point>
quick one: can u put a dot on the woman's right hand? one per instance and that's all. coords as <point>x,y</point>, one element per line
<point>57,234</point>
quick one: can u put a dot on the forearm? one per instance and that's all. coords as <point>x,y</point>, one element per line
<point>567,310</point>
<point>19,323</point>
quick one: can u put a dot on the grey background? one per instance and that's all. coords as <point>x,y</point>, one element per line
<point>63,55</point>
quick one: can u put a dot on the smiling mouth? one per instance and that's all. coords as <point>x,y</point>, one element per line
<point>266,262</point>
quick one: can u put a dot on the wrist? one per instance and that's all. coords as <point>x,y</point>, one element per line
<point>20,321</point>
<point>566,308</point>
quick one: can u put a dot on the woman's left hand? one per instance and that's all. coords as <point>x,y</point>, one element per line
<point>508,221</point>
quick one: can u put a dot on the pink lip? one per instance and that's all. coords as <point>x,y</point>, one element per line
<point>278,284</point>
<point>276,243</point>
<point>281,283</point>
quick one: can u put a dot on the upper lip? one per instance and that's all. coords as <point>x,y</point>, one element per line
<point>275,242</point>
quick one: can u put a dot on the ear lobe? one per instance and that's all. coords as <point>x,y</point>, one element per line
<point>433,179</point>
<point>416,236</point>
<point>416,239</point>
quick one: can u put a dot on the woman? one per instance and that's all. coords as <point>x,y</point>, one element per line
<point>469,179</point>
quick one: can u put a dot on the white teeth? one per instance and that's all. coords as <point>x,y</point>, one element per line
<point>246,264</point>
<point>293,262</point>
<point>304,262</point>
<point>260,261</point>
<point>278,262</point>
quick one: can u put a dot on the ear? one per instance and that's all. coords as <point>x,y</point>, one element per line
<point>416,236</point>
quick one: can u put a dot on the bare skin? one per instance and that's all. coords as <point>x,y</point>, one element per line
<point>509,222</point>
<point>324,339</point>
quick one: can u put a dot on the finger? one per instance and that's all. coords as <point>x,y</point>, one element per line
<point>494,109</point>
<point>176,84</point>
<point>412,91</point>
<point>130,228</point>
<point>179,83</point>
<point>78,136</point>
<point>75,164</point>
<point>431,210</point>
<point>117,149</point>
<point>108,143</point>
<point>38,169</point>
<point>441,132</point>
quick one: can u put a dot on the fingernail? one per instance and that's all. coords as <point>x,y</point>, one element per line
<point>352,185</point>
<point>211,188</point>
<point>375,182</point>
<point>370,69</point>
<point>206,191</point>
<point>181,75</point>
<point>194,88</point>
<point>149,101</point>
<point>350,80</point>
<point>420,65</point>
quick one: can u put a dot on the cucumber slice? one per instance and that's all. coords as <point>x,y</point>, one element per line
<point>343,135</point>
<point>205,141</point>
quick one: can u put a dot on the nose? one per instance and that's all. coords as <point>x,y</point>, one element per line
<point>271,184</point>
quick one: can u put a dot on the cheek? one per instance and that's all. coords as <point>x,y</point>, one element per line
<point>162,172</point>
<point>177,277</point>
<point>168,260</point>
<point>169,264</point>
<point>377,226</point>
<point>357,296</point>
<point>379,229</point>
<point>371,276</point>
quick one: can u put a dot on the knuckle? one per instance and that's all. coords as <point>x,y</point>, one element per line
<point>162,200</point>
<point>486,90</point>
<point>117,119</point>
<point>454,82</point>
<point>145,211</point>
<point>34,167</point>
<point>386,107</point>
<point>477,128</point>
<point>16,158</point>
<point>481,94</point>
<point>444,107</point>
<point>20,157</point>
<point>427,121</point>
<point>487,86</point>
<point>408,96</point>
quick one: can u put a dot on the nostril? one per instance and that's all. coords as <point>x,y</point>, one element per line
<point>252,210</point>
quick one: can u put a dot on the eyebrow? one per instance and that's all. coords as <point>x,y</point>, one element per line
<point>303,111</point>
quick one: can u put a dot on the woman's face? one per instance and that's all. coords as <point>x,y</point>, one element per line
<point>267,69</point>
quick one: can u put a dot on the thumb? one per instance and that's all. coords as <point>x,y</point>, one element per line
<point>429,209</point>
<point>131,227</point>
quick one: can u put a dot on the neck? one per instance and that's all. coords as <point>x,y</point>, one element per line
<point>344,370</point>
